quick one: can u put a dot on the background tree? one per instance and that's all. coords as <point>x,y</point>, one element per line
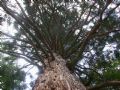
<point>11,76</point>
<point>74,33</point>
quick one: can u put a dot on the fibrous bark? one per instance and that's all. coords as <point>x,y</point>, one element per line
<point>56,76</point>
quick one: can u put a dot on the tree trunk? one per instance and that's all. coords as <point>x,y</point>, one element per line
<point>56,76</point>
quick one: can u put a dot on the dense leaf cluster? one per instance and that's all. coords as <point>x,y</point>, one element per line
<point>11,76</point>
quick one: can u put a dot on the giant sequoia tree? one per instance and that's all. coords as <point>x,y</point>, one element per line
<point>67,38</point>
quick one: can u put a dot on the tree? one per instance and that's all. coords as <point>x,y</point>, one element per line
<point>63,35</point>
<point>10,75</point>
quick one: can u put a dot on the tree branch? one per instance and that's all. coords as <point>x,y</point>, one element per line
<point>105,84</point>
<point>88,37</point>
<point>106,33</point>
<point>25,57</point>
<point>26,31</point>
<point>12,37</point>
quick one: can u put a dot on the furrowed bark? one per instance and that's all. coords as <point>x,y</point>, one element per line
<point>57,77</point>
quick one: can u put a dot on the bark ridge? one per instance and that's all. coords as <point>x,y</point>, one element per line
<point>57,77</point>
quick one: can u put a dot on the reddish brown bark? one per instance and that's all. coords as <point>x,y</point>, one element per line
<point>58,77</point>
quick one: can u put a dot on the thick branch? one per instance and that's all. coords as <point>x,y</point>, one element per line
<point>106,33</point>
<point>105,84</point>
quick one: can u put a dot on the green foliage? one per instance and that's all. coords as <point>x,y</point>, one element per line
<point>112,72</point>
<point>11,76</point>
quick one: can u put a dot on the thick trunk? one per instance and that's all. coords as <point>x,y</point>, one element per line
<point>57,77</point>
